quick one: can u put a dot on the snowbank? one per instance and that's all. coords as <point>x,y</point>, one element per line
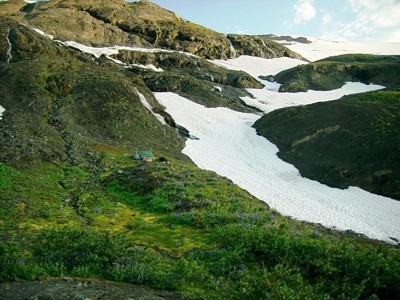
<point>319,48</point>
<point>268,100</point>
<point>256,66</point>
<point>1,112</point>
<point>251,162</point>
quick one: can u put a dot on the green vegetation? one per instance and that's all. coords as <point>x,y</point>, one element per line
<point>332,72</point>
<point>172,226</point>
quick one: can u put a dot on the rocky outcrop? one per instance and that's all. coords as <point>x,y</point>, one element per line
<point>140,23</point>
<point>331,73</point>
<point>192,77</point>
<point>353,141</point>
<point>260,46</point>
<point>60,104</point>
<point>287,38</point>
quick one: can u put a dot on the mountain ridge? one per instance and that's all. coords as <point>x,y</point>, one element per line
<point>138,23</point>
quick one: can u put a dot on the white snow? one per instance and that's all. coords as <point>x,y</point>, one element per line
<point>229,146</point>
<point>149,66</point>
<point>108,51</point>
<point>257,66</point>
<point>114,50</point>
<point>319,48</point>
<point>268,99</point>
<point>217,88</point>
<point>49,36</point>
<point>34,1</point>
<point>1,112</point>
<point>9,50</point>
<point>148,106</point>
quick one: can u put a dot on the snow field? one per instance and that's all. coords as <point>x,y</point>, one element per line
<point>319,48</point>
<point>229,146</point>
<point>256,66</point>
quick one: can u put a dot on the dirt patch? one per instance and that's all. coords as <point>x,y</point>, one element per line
<point>80,289</point>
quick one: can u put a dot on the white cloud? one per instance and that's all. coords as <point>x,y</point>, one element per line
<point>374,20</point>
<point>304,12</point>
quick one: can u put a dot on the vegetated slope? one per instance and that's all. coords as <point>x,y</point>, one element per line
<point>74,203</point>
<point>353,141</point>
<point>332,72</point>
<point>60,104</point>
<point>142,23</point>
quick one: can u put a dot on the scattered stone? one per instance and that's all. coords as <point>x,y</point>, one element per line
<point>68,279</point>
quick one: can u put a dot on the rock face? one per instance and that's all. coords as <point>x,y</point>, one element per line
<point>287,38</point>
<point>260,46</point>
<point>331,73</point>
<point>193,78</point>
<point>353,141</point>
<point>140,23</point>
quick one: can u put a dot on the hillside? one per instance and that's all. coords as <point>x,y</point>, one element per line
<point>139,23</point>
<point>353,141</point>
<point>80,217</point>
<point>331,73</point>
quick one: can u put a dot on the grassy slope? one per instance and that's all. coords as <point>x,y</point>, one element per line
<point>173,226</point>
<point>352,141</point>
<point>332,72</point>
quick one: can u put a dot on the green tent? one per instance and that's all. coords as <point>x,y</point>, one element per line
<point>144,155</point>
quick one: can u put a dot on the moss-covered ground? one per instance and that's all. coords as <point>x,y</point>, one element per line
<point>170,225</point>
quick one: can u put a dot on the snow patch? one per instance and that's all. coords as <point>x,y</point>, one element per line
<point>2,110</point>
<point>251,161</point>
<point>34,1</point>
<point>9,50</point>
<point>319,48</point>
<point>256,66</point>
<point>114,50</point>
<point>269,99</point>
<point>148,106</point>
<point>149,66</point>
<point>49,36</point>
<point>217,88</point>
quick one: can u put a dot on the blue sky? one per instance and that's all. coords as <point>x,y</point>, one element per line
<point>352,20</point>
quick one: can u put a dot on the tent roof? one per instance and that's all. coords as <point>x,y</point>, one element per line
<point>146,153</point>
